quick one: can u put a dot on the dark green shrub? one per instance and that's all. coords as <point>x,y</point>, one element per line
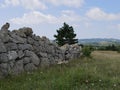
<point>86,51</point>
<point>118,49</point>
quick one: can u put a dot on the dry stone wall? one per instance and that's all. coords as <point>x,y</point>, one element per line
<point>21,50</point>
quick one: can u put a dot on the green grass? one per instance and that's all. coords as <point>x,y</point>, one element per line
<point>101,72</point>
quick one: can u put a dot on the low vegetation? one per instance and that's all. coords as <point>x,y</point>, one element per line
<point>104,48</point>
<point>87,50</point>
<point>109,47</point>
<point>101,72</point>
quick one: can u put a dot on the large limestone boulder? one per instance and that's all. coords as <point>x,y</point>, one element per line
<point>12,55</point>
<point>2,47</point>
<point>11,46</point>
<point>30,40</point>
<point>20,54</point>
<point>34,58</point>
<point>30,67</point>
<point>19,33</point>
<point>71,51</point>
<point>5,26</point>
<point>44,38</point>
<point>25,47</point>
<point>45,62</point>
<point>4,58</point>
<point>26,60</point>
<point>27,31</point>
<point>17,39</point>
<point>18,67</point>
<point>43,54</point>
<point>4,36</point>
<point>3,70</point>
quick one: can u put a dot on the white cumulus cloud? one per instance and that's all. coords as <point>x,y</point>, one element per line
<point>69,3</point>
<point>10,2</point>
<point>28,4</point>
<point>98,14</point>
<point>69,16</point>
<point>118,26</point>
<point>36,17</point>
<point>33,4</point>
<point>41,4</point>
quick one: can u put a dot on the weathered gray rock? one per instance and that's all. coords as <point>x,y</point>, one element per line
<point>36,49</point>
<point>52,60</point>
<point>26,60</point>
<point>5,27</point>
<point>45,39</point>
<point>11,46</point>
<point>30,40</point>
<point>18,67</point>
<point>19,33</point>
<point>41,43</point>
<point>27,31</point>
<point>75,51</point>
<point>45,62</point>
<point>30,67</point>
<point>28,53</point>
<point>3,58</point>
<point>12,55</point>
<point>71,51</point>
<point>36,43</point>
<point>36,38</point>
<point>50,49</point>
<point>2,47</point>
<point>20,54</point>
<point>34,58</point>
<point>4,66</point>
<point>11,65</point>
<point>42,54</point>
<point>65,47</point>
<point>5,37</point>
<point>3,70</point>
<point>25,47</point>
<point>17,39</point>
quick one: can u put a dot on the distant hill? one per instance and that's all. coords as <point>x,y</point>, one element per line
<point>99,41</point>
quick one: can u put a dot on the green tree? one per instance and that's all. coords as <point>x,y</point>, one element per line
<point>65,35</point>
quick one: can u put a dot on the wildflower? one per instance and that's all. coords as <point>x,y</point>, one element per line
<point>29,79</point>
<point>41,72</point>
<point>92,84</point>
<point>114,85</point>
<point>86,86</point>
<point>101,84</point>
<point>86,81</point>
<point>28,72</point>
<point>100,80</point>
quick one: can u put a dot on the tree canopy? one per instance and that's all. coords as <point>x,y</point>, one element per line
<point>65,35</point>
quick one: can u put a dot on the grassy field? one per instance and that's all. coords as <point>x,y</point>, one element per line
<point>101,72</point>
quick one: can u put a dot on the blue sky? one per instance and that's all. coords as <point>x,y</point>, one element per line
<point>89,18</point>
